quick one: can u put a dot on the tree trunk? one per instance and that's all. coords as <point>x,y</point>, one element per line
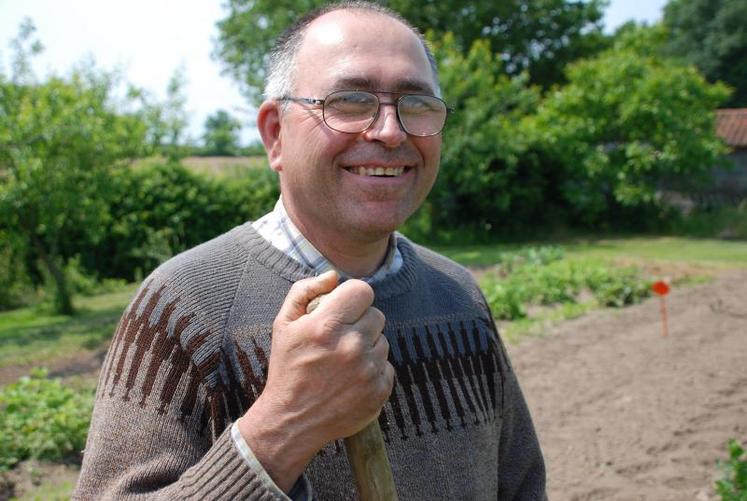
<point>63,300</point>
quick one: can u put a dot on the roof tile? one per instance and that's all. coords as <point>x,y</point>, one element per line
<point>731,126</point>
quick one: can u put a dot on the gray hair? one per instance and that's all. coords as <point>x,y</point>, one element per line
<point>281,60</point>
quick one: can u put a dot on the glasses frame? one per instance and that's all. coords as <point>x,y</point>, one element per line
<point>375,93</point>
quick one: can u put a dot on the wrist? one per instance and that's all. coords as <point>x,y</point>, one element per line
<point>280,446</point>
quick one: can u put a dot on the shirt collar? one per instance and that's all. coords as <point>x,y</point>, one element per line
<point>277,228</point>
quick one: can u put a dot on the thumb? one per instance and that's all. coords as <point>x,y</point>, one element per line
<point>302,292</point>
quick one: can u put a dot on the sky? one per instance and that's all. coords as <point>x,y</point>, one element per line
<point>148,40</point>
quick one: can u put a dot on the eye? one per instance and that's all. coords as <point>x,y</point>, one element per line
<point>351,103</point>
<point>419,105</point>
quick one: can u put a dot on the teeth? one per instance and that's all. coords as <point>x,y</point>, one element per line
<point>378,171</point>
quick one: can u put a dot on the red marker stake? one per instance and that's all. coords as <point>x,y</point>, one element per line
<point>661,288</point>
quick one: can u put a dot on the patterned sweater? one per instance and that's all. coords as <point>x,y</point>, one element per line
<point>190,355</point>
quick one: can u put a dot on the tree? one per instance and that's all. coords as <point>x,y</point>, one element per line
<point>535,36</point>
<point>712,35</point>
<point>538,36</point>
<point>627,120</point>
<point>483,139</point>
<point>58,141</point>
<point>166,120</point>
<point>221,136</point>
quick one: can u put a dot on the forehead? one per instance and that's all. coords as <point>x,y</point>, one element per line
<point>361,49</point>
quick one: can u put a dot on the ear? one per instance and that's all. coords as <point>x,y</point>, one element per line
<point>268,123</point>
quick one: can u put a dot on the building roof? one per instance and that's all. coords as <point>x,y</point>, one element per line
<point>731,126</point>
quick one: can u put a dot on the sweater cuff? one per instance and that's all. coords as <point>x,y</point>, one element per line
<point>301,490</point>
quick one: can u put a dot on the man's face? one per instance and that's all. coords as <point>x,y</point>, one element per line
<point>324,174</point>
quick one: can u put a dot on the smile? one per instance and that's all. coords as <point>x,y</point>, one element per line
<point>378,171</point>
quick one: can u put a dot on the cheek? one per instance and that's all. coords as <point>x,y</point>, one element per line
<point>430,150</point>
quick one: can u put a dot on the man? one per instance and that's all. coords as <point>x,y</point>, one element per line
<point>218,384</point>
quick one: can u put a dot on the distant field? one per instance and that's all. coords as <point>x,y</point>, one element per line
<point>224,166</point>
<point>212,166</point>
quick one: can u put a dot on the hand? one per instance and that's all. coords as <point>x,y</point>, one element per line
<point>328,375</point>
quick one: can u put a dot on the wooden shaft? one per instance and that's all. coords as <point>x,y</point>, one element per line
<point>664,327</point>
<point>367,456</point>
<point>370,464</point>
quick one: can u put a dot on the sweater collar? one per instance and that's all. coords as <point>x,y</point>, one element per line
<point>269,256</point>
<point>278,228</point>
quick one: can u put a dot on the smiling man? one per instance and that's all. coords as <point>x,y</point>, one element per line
<point>219,385</point>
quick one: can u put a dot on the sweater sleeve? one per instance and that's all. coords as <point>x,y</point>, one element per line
<point>159,428</point>
<point>521,466</point>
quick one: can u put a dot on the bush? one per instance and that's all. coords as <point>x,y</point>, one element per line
<point>16,287</point>
<point>733,485</point>
<point>539,276</point>
<point>41,419</point>
<point>161,210</point>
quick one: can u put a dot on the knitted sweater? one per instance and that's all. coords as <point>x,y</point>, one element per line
<point>190,355</point>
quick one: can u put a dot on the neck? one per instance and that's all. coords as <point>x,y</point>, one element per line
<point>354,257</point>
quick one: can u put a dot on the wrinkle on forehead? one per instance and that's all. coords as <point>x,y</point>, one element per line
<point>402,85</point>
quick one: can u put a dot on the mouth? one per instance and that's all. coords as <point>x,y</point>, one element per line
<point>378,171</point>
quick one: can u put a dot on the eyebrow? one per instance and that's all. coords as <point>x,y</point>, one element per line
<point>363,83</point>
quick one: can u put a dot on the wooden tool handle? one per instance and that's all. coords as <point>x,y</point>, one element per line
<point>367,456</point>
<point>370,464</point>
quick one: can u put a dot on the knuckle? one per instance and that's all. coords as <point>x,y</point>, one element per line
<point>302,287</point>
<point>379,317</point>
<point>362,290</point>
<point>384,344</point>
<point>352,347</point>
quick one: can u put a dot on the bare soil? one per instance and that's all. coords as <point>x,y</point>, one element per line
<point>624,413</point>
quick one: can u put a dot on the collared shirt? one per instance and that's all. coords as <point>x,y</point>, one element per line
<point>278,229</point>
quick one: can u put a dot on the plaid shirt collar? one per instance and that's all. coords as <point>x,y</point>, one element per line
<point>278,229</point>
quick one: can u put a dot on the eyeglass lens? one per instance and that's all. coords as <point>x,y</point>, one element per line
<point>355,111</point>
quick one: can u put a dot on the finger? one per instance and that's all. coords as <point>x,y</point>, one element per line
<point>370,325</point>
<point>380,349</point>
<point>348,302</point>
<point>302,292</point>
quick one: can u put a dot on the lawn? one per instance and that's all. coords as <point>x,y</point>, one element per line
<point>694,251</point>
<point>34,336</point>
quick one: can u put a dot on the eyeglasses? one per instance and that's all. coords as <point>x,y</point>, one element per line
<point>353,111</point>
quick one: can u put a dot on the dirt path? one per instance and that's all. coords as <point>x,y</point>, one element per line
<point>625,414</point>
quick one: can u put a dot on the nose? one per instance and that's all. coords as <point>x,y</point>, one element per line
<point>386,128</point>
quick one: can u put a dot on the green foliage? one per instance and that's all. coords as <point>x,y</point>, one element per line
<point>16,288</point>
<point>158,211</point>
<point>541,277</point>
<point>482,179</point>
<point>733,485</point>
<point>59,142</point>
<point>712,35</point>
<point>725,222</point>
<point>626,121</point>
<point>221,136</point>
<point>538,36</point>
<point>535,36</point>
<point>41,419</point>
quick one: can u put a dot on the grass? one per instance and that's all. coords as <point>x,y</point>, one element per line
<point>710,252</point>
<point>683,261</point>
<point>33,336</point>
